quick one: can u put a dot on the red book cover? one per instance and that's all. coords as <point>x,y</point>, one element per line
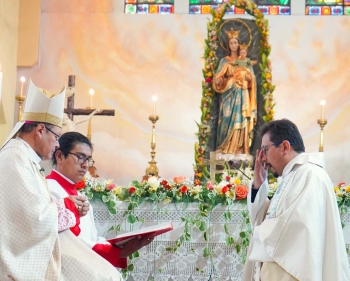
<point>157,229</point>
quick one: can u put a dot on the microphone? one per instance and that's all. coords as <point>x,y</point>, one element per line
<point>232,163</point>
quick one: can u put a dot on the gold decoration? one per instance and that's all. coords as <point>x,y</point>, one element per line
<point>322,123</point>
<point>42,117</point>
<point>20,100</point>
<point>222,44</point>
<point>232,33</point>
<point>152,169</point>
<point>243,47</point>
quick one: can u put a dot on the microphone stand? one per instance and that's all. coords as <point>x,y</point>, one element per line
<point>232,163</point>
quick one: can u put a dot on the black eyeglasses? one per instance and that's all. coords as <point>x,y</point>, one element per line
<point>82,159</point>
<point>266,148</point>
<point>56,136</point>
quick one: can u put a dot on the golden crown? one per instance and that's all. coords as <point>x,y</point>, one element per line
<point>243,47</point>
<point>232,33</point>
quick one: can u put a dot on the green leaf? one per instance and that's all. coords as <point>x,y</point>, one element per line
<point>238,248</point>
<point>136,254</point>
<point>169,249</point>
<point>205,234</point>
<point>230,241</point>
<point>131,267</point>
<point>205,252</point>
<point>130,206</point>
<point>203,226</point>
<point>110,229</point>
<point>226,228</point>
<point>131,219</point>
<point>198,224</point>
<point>242,234</point>
<point>105,198</point>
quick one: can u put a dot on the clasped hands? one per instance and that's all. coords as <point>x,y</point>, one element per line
<point>81,203</point>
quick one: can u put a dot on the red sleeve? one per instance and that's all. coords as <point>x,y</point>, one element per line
<point>70,206</point>
<point>111,254</point>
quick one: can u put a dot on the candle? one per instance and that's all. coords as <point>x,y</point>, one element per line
<point>91,92</point>
<point>154,98</point>
<point>23,79</point>
<point>322,103</point>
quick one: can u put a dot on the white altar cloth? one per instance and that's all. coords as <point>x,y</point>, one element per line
<point>155,262</point>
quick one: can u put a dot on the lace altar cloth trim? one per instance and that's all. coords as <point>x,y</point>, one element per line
<point>155,263</point>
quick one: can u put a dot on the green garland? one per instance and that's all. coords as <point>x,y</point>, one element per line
<point>211,63</point>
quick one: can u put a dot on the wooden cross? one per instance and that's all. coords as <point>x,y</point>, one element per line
<point>71,111</point>
<point>213,162</point>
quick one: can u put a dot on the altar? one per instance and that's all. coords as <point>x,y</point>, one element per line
<point>188,262</point>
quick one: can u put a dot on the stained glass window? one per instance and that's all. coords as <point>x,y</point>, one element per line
<point>267,7</point>
<point>327,7</point>
<point>149,6</point>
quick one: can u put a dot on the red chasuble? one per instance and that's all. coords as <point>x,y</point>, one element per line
<point>107,251</point>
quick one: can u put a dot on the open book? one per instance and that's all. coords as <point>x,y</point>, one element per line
<point>157,229</point>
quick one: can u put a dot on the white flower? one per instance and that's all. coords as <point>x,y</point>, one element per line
<point>153,183</point>
<point>196,189</point>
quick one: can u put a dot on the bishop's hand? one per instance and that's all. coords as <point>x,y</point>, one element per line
<point>260,169</point>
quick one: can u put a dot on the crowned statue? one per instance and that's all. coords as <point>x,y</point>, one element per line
<point>235,81</point>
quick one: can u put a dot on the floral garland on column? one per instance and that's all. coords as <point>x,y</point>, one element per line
<point>211,63</point>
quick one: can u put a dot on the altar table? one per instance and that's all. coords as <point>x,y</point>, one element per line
<point>155,263</point>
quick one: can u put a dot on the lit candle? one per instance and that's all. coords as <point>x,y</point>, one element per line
<point>23,79</point>
<point>322,103</point>
<point>154,98</point>
<point>91,92</point>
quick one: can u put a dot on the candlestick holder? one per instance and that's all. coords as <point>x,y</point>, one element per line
<point>322,123</point>
<point>152,169</point>
<point>20,100</point>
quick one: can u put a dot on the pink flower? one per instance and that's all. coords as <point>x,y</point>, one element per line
<point>110,186</point>
<point>210,186</point>
<point>181,179</point>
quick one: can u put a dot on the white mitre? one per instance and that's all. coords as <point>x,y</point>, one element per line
<point>41,106</point>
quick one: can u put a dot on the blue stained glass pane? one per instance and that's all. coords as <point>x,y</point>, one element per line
<point>284,10</point>
<point>149,6</point>
<point>337,10</point>
<point>314,10</point>
<point>195,9</point>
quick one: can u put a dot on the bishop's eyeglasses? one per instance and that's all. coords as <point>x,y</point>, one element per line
<point>82,159</point>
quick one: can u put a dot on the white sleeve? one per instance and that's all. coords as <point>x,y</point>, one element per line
<point>260,201</point>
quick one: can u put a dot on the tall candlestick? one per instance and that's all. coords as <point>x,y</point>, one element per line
<point>91,92</point>
<point>23,79</point>
<point>154,98</point>
<point>322,103</point>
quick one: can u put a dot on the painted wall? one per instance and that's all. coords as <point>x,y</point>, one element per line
<point>129,58</point>
<point>8,60</point>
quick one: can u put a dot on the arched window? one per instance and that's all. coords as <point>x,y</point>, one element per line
<point>267,7</point>
<point>327,7</point>
<point>149,6</point>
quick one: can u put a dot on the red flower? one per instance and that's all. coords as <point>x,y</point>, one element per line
<point>341,184</point>
<point>241,192</point>
<point>164,183</point>
<point>197,182</point>
<point>167,186</point>
<point>224,189</point>
<point>132,190</point>
<point>183,189</point>
<point>208,79</point>
<point>80,185</point>
<point>228,178</point>
<point>110,186</point>
<point>229,185</point>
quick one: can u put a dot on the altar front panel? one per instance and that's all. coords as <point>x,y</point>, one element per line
<point>188,262</point>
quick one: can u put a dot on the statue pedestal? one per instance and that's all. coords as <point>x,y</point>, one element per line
<point>237,158</point>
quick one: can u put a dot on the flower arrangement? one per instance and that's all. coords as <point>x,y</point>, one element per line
<point>231,188</point>
<point>210,65</point>
<point>342,192</point>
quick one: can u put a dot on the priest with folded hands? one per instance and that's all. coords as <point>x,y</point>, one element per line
<point>71,161</point>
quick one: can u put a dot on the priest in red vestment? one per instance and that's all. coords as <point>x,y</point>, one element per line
<point>72,160</point>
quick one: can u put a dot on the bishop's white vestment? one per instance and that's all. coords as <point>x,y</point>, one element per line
<point>300,229</point>
<point>35,242</point>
